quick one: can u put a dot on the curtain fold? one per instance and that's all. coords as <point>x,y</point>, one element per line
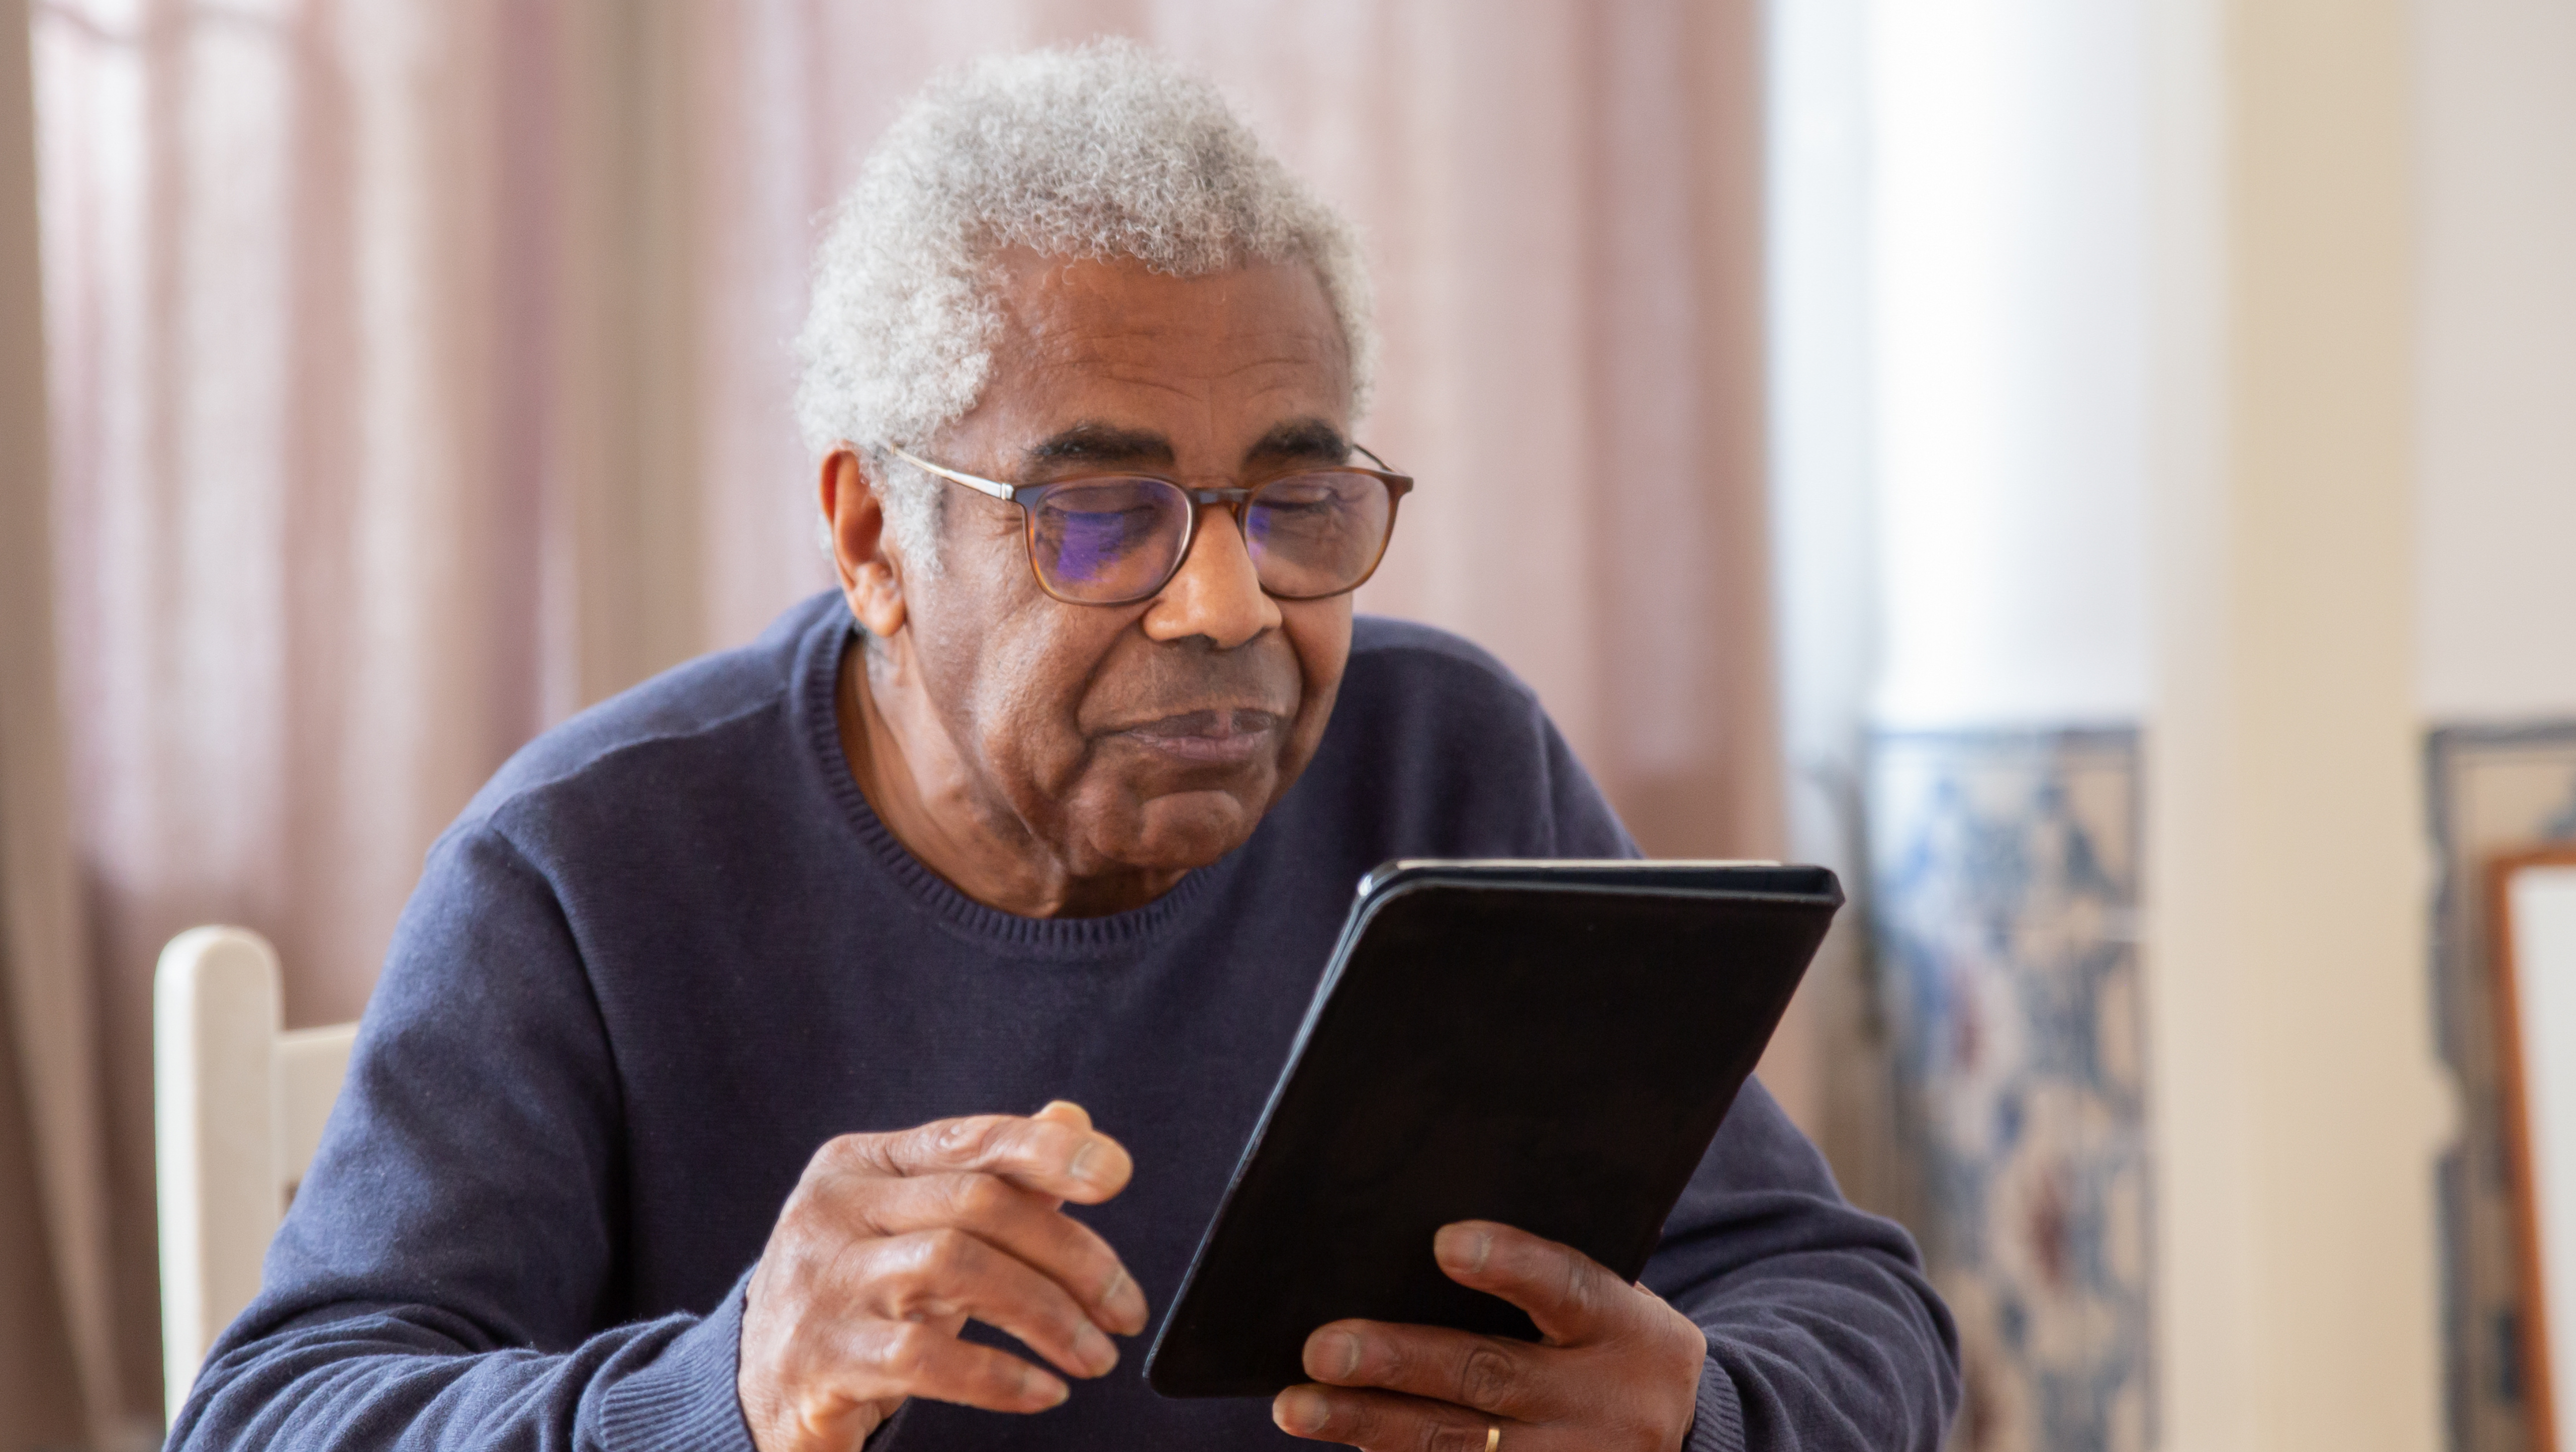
<point>421,373</point>
<point>58,1373</point>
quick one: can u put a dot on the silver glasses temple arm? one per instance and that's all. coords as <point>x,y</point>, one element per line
<point>1009,492</point>
<point>980,486</point>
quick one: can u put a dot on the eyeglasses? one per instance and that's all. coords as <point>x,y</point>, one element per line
<point>1115,539</point>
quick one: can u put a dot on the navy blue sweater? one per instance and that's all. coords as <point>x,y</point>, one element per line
<point>669,951</point>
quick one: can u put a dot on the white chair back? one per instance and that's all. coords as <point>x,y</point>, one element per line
<point>238,1106</point>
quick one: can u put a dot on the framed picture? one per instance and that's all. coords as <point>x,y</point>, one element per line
<point>2534,909</point>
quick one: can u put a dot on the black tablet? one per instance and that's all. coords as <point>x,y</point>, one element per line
<point>1551,1045</point>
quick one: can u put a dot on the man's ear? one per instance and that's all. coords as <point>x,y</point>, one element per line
<point>863,550</point>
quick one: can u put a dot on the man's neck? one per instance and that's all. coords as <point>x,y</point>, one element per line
<point>907,766</point>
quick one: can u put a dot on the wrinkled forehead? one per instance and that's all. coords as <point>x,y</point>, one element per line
<point>1215,360</point>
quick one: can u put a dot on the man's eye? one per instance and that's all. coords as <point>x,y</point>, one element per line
<point>1302,516</point>
<point>1300,494</point>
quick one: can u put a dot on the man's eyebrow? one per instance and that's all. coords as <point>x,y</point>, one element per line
<point>1092,442</point>
<point>1099,443</point>
<point>1302,439</point>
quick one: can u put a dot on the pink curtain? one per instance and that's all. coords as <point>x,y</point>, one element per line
<point>57,1356</point>
<point>420,374</point>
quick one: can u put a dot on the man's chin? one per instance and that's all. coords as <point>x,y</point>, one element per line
<point>1178,831</point>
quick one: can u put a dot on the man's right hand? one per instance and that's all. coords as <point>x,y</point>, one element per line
<point>893,1242</point>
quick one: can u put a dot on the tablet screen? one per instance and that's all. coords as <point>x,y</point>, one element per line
<point>1551,1046</point>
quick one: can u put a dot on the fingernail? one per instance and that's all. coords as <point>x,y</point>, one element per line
<point>1341,1354</point>
<point>1463,1247</point>
<point>1093,1349</point>
<point>1096,1165</point>
<point>1047,1387</point>
<point>1125,1300</point>
<point>1298,1410</point>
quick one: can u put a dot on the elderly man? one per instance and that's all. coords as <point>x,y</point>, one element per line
<point>699,1105</point>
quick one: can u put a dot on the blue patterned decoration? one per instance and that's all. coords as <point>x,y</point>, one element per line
<point>2004,872</point>
<point>2493,789</point>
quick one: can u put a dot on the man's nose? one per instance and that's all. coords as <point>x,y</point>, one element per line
<point>1217,592</point>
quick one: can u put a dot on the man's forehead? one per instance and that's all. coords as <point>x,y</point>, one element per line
<point>1101,361</point>
<point>1082,306</point>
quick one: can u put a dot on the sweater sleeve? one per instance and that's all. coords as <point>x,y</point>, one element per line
<point>438,1279</point>
<point>1822,1332</point>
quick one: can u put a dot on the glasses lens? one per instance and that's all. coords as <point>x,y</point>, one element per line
<point>1317,534</point>
<point>1106,541</point>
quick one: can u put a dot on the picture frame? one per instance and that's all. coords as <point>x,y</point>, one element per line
<point>2533,908</point>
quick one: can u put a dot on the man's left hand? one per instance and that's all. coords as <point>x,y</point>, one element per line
<point>1618,1368</point>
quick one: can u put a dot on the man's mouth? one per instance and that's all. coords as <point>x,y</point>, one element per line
<point>1225,735</point>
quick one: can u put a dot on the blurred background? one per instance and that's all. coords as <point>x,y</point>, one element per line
<point>2099,473</point>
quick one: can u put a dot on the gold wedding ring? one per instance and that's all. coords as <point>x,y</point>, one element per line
<point>1493,1437</point>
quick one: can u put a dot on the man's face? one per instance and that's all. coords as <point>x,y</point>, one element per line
<point>1154,735</point>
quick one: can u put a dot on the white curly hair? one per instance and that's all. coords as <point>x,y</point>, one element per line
<point>1103,150</point>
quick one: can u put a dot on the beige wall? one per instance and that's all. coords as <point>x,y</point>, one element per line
<point>2298,1108</point>
<point>2495,131</point>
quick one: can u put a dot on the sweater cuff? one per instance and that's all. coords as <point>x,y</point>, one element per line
<point>1717,1424</point>
<point>687,1398</point>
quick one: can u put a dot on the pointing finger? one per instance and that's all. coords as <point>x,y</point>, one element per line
<point>1049,1156</point>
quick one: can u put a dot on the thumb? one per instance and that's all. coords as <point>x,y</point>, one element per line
<point>1064,1111</point>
